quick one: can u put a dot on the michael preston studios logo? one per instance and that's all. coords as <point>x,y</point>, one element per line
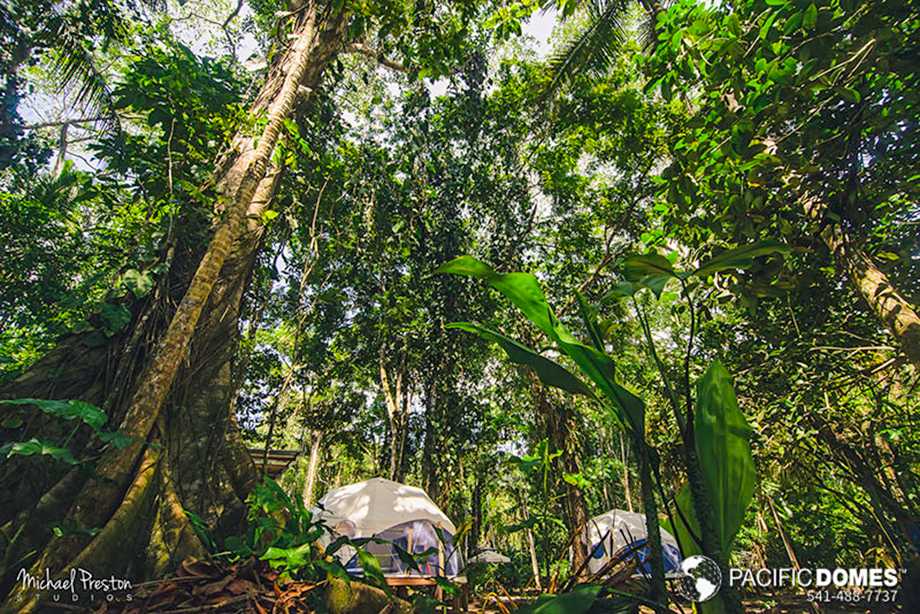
<point>78,586</point>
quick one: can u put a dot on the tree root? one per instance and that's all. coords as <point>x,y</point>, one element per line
<point>173,538</point>
<point>238,462</point>
<point>28,531</point>
<point>356,598</point>
<point>110,545</point>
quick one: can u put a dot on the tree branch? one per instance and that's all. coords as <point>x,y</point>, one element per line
<point>376,55</point>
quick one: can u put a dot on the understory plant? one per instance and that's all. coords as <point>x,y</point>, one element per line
<point>286,535</point>
<point>715,436</point>
<point>80,413</point>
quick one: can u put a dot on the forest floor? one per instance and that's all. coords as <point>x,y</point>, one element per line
<point>252,586</point>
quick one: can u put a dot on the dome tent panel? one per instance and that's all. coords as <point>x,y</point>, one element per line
<point>489,556</point>
<point>396,516</point>
<point>620,535</point>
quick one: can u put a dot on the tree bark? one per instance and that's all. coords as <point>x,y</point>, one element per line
<point>531,547</point>
<point>394,393</point>
<point>888,305</point>
<point>237,180</point>
<point>624,458</point>
<point>558,424</point>
<point>309,485</point>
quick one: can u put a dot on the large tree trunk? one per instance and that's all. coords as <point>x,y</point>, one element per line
<point>624,458</point>
<point>889,305</point>
<point>147,486</point>
<point>309,484</point>
<point>531,544</point>
<point>396,397</point>
<point>557,423</point>
<point>431,447</point>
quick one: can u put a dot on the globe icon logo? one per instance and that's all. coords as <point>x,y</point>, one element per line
<point>701,579</point>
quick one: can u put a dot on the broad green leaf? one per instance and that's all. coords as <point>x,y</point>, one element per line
<point>412,560</point>
<point>724,449</point>
<point>600,369</point>
<point>114,318</point>
<point>288,558</point>
<point>589,316</point>
<point>333,568</point>
<point>810,17</point>
<point>371,568</point>
<point>11,422</point>
<point>118,439</point>
<point>576,479</point>
<point>39,447</point>
<point>740,257</point>
<point>765,28</point>
<point>622,290</point>
<point>522,289</point>
<point>550,373</point>
<point>139,283</point>
<point>66,410</point>
<point>652,271</point>
<point>450,589</point>
<point>578,601</point>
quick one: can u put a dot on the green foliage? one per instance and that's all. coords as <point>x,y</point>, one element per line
<point>722,441</point>
<point>87,413</point>
<point>550,373</point>
<point>578,601</point>
<point>36,446</point>
<point>723,445</point>
<point>66,411</point>
<point>747,108</point>
<point>524,291</point>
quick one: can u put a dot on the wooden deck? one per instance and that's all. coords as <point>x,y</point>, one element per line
<point>278,460</point>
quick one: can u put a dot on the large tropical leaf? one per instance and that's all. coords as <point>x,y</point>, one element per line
<point>724,449</point>
<point>522,289</point>
<point>578,601</point>
<point>372,570</point>
<point>66,410</point>
<point>600,369</point>
<point>550,373</point>
<point>650,270</point>
<point>740,257</point>
<point>39,447</point>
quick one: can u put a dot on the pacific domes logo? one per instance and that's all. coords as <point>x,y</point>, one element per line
<point>701,579</point>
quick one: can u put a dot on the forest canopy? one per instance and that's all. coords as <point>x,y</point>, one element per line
<point>543,261</point>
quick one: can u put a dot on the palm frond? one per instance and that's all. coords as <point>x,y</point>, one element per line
<point>594,48</point>
<point>71,57</point>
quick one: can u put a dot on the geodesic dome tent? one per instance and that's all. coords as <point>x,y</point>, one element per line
<point>619,535</point>
<point>396,515</point>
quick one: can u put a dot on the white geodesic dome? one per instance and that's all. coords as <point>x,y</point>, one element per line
<point>400,516</point>
<point>620,535</point>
